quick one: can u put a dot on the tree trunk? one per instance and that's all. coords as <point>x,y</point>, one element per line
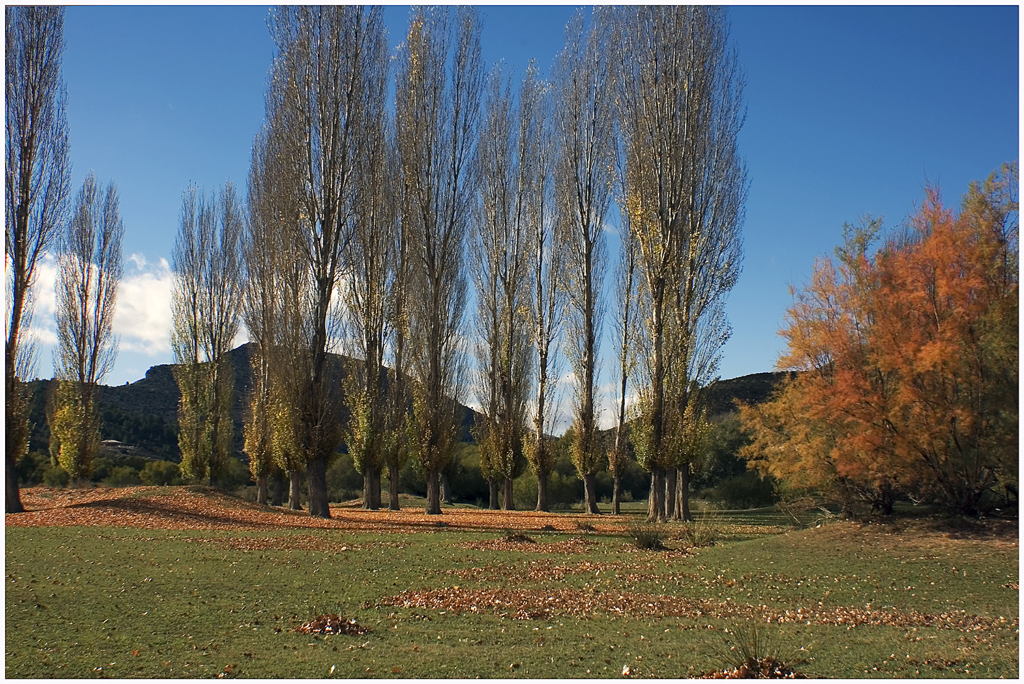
<point>277,498</point>
<point>542,491</point>
<point>316,480</point>
<point>371,498</point>
<point>670,494</point>
<point>261,490</point>
<point>656,498</point>
<point>446,490</point>
<point>13,496</point>
<point>393,486</point>
<point>510,503</point>
<point>492,492</point>
<point>616,489</point>
<point>684,493</point>
<point>294,493</point>
<point>433,493</point>
<point>590,493</point>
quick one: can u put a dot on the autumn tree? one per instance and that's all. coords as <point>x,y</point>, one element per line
<point>369,277</point>
<point>506,158</point>
<point>89,264</point>
<point>545,268</point>
<point>584,124</point>
<point>624,336</point>
<point>273,208</point>
<point>908,356</point>
<point>437,123</point>
<point>328,64</point>
<point>205,310</point>
<point>684,184</point>
<point>37,182</point>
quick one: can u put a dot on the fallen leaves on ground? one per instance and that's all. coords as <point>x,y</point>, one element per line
<point>766,668</point>
<point>202,508</point>
<point>332,624</point>
<point>571,545</point>
<point>540,604</point>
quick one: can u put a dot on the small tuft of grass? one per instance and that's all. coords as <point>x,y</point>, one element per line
<point>753,653</point>
<point>705,531</point>
<point>646,535</point>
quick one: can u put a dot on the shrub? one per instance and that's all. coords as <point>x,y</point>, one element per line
<point>646,535</point>
<point>344,482</point>
<point>235,475</point>
<point>55,476</point>
<point>160,473</point>
<point>748,490</point>
<point>122,476</point>
<point>32,467</point>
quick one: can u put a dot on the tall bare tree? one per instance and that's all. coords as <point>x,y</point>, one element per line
<point>680,111</point>
<point>263,249</point>
<point>625,340</point>
<point>89,262</point>
<point>328,59</point>
<point>370,276</point>
<point>437,130</point>
<point>545,267</point>
<point>506,157</point>
<point>37,182</point>
<point>205,309</point>
<point>584,86</point>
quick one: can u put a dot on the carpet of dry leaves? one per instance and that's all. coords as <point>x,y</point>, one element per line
<point>197,508</point>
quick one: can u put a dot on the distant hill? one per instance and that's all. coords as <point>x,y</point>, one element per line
<point>750,389</point>
<point>145,413</point>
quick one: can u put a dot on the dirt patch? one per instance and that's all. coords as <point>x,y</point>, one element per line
<point>540,605</point>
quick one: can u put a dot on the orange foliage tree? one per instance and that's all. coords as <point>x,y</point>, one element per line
<point>908,360</point>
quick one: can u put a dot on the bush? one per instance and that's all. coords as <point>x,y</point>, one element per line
<point>344,482</point>
<point>748,490</point>
<point>55,476</point>
<point>235,475</point>
<point>32,467</point>
<point>646,535</point>
<point>161,473</point>
<point>122,476</point>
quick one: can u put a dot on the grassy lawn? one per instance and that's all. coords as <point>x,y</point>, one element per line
<point>841,600</point>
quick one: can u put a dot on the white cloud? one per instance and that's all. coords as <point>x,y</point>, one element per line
<point>139,260</point>
<point>143,318</point>
<point>44,291</point>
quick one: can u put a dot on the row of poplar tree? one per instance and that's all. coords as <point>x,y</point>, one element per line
<point>366,224</point>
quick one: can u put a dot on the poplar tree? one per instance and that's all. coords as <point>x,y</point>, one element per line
<point>205,307</point>
<point>89,264</point>
<point>506,158</point>
<point>370,276</point>
<point>584,176</point>
<point>437,122</point>
<point>328,63</point>
<point>37,185</point>
<point>684,185</point>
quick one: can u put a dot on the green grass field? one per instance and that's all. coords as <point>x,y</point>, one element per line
<point>855,601</point>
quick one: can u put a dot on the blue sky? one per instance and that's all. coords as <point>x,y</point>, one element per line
<point>850,111</point>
